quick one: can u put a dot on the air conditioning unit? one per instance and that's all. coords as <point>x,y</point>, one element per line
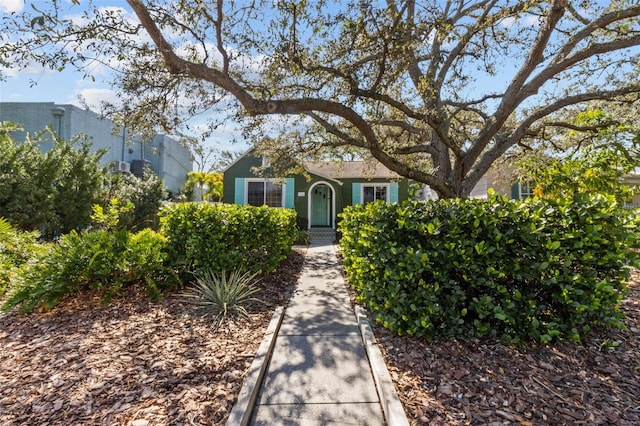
<point>123,167</point>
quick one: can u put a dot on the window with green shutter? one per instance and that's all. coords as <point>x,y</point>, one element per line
<point>261,192</point>
<point>364,193</point>
<point>355,194</point>
<point>290,193</point>
<point>238,197</point>
<point>393,192</point>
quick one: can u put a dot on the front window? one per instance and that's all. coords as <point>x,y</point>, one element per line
<point>264,193</point>
<point>372,193</point>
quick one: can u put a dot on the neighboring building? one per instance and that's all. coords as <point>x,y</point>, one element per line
<point>501,183</point>
<point>318,200</point>
<point>167,158</point>
<point>632,179</point>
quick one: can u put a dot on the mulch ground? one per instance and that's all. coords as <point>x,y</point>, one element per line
<point>135,362</point>
<point>481,383</point>
<point>141,362</point>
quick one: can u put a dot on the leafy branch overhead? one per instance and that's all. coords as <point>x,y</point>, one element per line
<point>436,91</point>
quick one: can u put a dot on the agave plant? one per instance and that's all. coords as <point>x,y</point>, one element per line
<point>222,295</point>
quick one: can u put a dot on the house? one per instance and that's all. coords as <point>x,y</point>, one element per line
<point>317,198</point>
<point>167,157</point>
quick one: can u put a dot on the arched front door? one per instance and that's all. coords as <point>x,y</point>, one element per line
<point>321,200</point>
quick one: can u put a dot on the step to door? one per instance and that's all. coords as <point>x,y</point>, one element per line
<point>316,234</point>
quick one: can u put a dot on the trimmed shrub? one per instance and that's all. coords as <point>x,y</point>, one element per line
<point>99,260</point>
<point>220,237</point>
<point>534,270</point>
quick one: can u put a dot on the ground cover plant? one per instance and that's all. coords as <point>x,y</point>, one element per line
<point>74,358</point>
<point>105,261</point>
<point>517,271</point>
<point>142,361</point>
<point>16,248</point>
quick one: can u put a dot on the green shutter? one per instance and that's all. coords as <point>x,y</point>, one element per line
<point>355,194</point>
<point>239,191</point>
<point>290,192</point>
<point>515,191</point>
<point>393,192</point>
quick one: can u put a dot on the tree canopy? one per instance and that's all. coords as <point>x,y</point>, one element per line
<point>599,164</point>
<point>435,90</point>
<point>204,186</point>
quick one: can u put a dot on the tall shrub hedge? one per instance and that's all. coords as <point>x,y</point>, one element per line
<point>533,270</point>
<point>214,237</point>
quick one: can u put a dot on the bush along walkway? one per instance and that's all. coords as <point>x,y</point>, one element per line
<point>324,365</point>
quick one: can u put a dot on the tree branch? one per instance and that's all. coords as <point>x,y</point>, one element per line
<point>591,26</point>
<point>333,130</point>
<point>547,110</point>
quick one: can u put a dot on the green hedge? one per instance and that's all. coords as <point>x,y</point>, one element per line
<point>214,237</point>
<point>533,270</point>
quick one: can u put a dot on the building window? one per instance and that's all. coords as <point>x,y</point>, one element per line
<point>372,193</point>
<point>261,193</point>
<point>525,190</point>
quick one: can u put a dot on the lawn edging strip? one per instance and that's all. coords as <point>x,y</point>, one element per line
<point>244,406</point>
<point>391,405</point>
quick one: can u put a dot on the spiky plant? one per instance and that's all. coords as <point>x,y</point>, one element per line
<point>222,295</point>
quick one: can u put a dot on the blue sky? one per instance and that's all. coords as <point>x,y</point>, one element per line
<point>37,84</point>
<point>68,87</point>
<point>52,86</point>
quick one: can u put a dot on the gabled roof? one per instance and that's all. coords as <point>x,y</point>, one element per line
<point>351,169</point>
<point>240,157</point>
<point>335,170</point>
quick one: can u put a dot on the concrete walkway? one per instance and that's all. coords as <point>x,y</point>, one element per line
<point>319,371</point>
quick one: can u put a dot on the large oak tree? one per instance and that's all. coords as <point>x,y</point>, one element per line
<point>435,90</point>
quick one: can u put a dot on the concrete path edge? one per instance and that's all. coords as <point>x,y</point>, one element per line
<point>243,408</point>
<point>391,406</point>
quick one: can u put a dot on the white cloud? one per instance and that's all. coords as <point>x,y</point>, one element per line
<point>9,6</point>
<point>30,70</point>
<point>15,97</point>
<point>93,97</point>
<point>526,21</point>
